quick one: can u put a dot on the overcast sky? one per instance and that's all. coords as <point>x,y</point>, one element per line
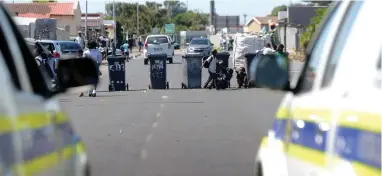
<point>223,7</point>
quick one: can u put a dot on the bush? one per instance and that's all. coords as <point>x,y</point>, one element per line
<point>311,29</point>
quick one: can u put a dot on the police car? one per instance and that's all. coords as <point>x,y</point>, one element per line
<point>36,137</point>
<point>329,122</point>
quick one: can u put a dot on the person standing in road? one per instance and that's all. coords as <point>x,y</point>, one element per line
<point>211,62</point>
<point>79,39</point>
<point>94,54</point>
<point>125,49</point>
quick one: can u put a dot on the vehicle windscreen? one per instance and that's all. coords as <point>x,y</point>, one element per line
<point>199,42</point>
<point>69,46</point>
<point>158,40</point>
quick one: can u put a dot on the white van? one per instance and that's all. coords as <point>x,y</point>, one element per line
<point>155,44</point>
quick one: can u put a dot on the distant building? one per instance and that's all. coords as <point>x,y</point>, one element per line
<point>95,23</point>
<point>65,13</point>
<point>256,24</point>
<point>109,28</point>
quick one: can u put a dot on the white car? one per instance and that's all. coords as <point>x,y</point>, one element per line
<point>156,44</point>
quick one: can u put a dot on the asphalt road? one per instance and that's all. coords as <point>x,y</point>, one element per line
<point>171,132</point>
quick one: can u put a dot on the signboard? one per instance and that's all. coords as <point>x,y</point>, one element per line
<point>169,28</point>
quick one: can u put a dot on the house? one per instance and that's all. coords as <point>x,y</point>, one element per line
<point>94,23</point>
<point>65,13</point>
<point>257,23</point>
<point>109,25</point>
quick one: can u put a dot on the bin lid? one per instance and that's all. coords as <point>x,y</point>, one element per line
<point>193,55</point>
<point>157,55</point>
<point>250,55</point>
<point>223,53</point>
<point>115,57</point>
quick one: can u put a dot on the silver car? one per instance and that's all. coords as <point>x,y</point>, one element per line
<point>63,49</point>
<point>199,45</point>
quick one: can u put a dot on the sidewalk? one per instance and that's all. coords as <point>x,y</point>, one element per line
<point>135,53</point>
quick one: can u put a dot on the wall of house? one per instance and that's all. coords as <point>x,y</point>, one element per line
<point>254,27</point>
<point>73,21</point>
<point>293,35</point>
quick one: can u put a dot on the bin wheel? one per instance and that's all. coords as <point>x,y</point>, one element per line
<point>146,61</point>
<point>183,86</point>
<point>170,60</point>
<point>168,85</point>
<point>127,86</point>
<point>149,86</point>
<point>111,87</point>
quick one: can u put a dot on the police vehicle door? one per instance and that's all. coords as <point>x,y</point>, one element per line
<point>311,106</point>
<point>354,140</point>
<point>35,149</point>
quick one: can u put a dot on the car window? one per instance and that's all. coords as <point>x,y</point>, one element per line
<point>49,46</point>
<point>310,72</point>
<point>9,62</point>
<point>39,86</point>
<point>199,42</point>
<point>157,39</point>
<point>70,46</point>
<point>340,42</point>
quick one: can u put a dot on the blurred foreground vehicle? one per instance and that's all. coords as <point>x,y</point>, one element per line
<point>329,123</point>
<point>36,137</point>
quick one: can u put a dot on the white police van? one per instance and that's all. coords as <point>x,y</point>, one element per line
<point>36,137</point>
<point>330,122</point>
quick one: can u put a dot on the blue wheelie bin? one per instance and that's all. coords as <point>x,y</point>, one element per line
<point>116,64</point>
<point>192,72</point>
<point>158,71</point>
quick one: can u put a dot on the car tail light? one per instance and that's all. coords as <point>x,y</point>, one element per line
<point>56,54</point>
<point>146,45</point>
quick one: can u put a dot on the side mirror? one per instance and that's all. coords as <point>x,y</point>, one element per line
<point>173,42</point>
<point>187,44</point>
<point>76,72</point>
<point>270,71</point>
<point>212,44</point>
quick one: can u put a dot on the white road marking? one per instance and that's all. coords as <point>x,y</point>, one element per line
<point>155,124</point>
<point>158,114</point>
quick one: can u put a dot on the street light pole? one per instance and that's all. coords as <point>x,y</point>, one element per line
<point>115,28</point>
<point>138,19</point>
<point>86,21</point>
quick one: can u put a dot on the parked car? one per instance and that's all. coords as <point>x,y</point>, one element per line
<point>199,45</point>
<point>176,46</point>
<point>49,57</point>
<point>62,49</point>
<point>155,44</point>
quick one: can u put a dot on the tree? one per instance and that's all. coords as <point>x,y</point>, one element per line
<point>278,9</point>
<point>191,20</point>
<point>175,7</point>
<point>311,29</point>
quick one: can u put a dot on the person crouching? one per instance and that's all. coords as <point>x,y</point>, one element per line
<point>94,54</point>
<point>241,77</point>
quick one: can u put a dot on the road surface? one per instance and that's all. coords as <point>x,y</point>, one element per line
<point>171,132</point>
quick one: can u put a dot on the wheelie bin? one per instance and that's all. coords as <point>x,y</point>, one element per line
<point>192,71</point>
<point>222,56</point>
<point>158,71</point>
<point>116,64</point>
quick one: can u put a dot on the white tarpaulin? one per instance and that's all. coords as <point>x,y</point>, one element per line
<point>247,43</point>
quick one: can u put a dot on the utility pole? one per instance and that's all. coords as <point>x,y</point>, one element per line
<point>115,28</point>
<point>138,19</point>
<point>245,19</point>
<point>86,22</point>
